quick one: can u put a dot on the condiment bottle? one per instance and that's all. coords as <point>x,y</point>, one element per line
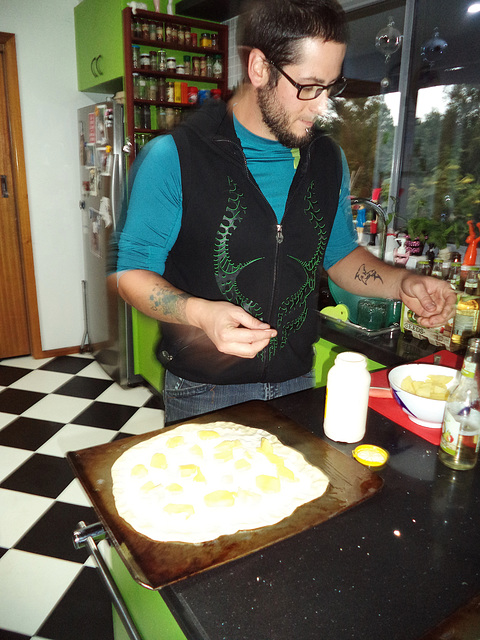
<point>437,271</point>
<point>454,275</point>
<point>460,439</point>
<point>466,324</point>
<point>348,385</point>
<point>471,283</point>
<point>423,268</point>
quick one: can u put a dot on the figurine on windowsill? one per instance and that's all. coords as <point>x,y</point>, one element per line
<point>471,252</point>
<point>401,253</point>
<point>430,253</point>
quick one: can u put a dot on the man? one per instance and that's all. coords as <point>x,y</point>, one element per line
<point>231,218</point>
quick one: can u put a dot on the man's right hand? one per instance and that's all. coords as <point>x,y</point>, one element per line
<point>231,329</point>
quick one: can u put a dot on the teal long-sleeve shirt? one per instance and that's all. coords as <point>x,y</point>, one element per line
<point>155,207</point>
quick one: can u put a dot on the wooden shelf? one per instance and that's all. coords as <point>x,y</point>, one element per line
<point>147,43</point>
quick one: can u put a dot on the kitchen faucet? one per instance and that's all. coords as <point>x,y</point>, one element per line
<point>380,211</point>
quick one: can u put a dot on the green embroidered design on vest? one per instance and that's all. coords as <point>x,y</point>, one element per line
<point>226,271</point>
<point>293,310</point>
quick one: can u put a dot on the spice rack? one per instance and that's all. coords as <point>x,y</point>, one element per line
<point>152,113</point>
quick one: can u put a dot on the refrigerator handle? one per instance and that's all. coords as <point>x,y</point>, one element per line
<point>115,197</point>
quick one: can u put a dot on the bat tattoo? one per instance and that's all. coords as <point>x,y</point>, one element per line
<point>364,276</point>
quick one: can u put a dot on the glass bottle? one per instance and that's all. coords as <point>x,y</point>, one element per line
<point>466,324</point>
<point>437,268</point>
<point>454,275</point>
<point>423,268</point>
<point>460,439</point>
<point>471,283</point>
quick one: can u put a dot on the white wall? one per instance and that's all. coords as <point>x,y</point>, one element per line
<point>45,43</point>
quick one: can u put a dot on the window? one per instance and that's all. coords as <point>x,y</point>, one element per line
<point>410,119</point>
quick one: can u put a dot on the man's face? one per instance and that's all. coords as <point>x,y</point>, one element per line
<point>288,119</point>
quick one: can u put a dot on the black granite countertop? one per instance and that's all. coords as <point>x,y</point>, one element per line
<point>390,348</point>
<point>390,568</point>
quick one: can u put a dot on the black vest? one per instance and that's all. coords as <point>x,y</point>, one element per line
<point>230,247</point>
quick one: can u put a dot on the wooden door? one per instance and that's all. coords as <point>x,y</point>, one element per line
<point>19,325</point>
<point>14,339</point>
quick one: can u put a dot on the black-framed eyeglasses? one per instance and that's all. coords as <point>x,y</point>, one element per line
<point>312,91</point>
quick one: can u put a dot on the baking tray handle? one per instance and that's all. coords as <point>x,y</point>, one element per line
<point>87,536</point>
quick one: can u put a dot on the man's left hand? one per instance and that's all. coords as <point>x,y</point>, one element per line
<point>432,300</point>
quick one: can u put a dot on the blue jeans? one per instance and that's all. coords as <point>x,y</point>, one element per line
<point>184,399</point>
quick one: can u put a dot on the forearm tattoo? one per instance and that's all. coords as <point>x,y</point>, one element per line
<point>165,302</point>
<point>364,276</point>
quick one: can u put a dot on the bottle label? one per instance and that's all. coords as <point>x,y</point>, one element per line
<point>455,430</point>
<point>468,369</point>
<point>450,434</point>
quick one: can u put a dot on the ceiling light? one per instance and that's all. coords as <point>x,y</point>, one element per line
<point>474,8</point>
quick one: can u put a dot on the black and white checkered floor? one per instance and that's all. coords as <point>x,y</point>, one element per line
<point>49,590</point>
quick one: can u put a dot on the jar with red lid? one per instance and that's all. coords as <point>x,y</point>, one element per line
<point>192,95</point>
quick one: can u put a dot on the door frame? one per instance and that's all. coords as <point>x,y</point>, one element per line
<point>7,43</point>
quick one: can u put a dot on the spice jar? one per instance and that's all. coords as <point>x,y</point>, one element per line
<point>192,95</point>
<point>203,66</point>
<point>136,56</point>
<point>152,89</point>
<point>187,64</point>
<point>170,92</point>
<point>423,268</point>
<point>188,36</point>
<point>209,65</point>
<point>145,60</point>
<point>162,60</point>
<point>161,118</point>
<point>153,60</point>
<point>196,66</point>
<point>181,34</point>
<point>217,67</point>
<point>169,118</point>
<point>142,88</point>
<point>205,40</point>
<point>136,80</point>
<point>162,90</point>
<point>137,29</point>
<point>171,64</point>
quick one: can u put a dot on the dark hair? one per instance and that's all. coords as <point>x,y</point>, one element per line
<point>277,27</point>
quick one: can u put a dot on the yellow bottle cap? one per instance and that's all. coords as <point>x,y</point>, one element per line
<point>370,455</point>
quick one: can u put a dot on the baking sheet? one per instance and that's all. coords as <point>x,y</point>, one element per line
<point>156,564</point>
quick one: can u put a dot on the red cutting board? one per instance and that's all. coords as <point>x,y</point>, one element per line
<point>389,408</point>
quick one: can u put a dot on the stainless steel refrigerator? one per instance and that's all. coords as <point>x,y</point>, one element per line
<point>107,319</point>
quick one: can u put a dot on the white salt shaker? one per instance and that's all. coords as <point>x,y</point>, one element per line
<point>348,385</point>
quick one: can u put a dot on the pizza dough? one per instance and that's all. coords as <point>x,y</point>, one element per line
<point>197,482</point>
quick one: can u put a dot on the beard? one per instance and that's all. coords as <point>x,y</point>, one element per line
<point>276,119</point>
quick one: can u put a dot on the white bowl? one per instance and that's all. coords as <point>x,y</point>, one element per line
<point>423,411</point>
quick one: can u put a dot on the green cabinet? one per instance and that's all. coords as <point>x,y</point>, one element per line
<point>99,43</point>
